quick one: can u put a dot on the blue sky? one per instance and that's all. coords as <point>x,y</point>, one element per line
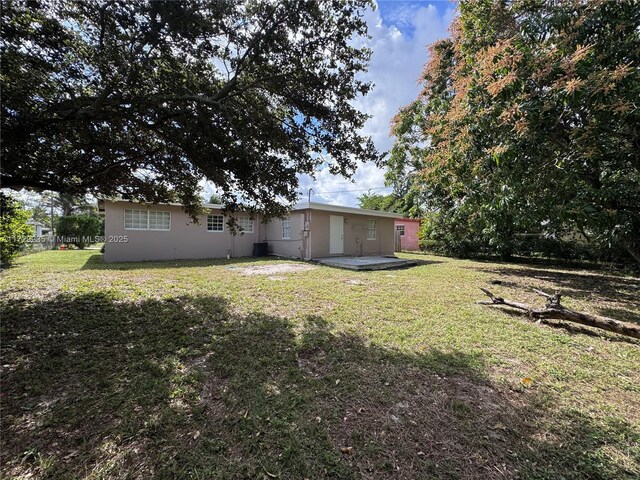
<point>400,31</point>
<point>401,12</point>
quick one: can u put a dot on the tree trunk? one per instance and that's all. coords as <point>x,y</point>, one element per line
<point>554,310</point>
<point>632,251</point>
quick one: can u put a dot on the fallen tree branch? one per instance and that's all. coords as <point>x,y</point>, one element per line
<point>554,310</point>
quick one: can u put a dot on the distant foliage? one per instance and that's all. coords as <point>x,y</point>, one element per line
<point>528,126</point>
<point>13,228</point>
<point>79,230</point>
<point>436,235</point>
<point>216,199</point>
<point>70,204</point>
<point>394,202</point>
<point>40,214</point>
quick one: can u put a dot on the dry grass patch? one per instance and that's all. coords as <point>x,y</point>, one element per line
<point>273,269</point>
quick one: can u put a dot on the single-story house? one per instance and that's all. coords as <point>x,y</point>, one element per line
<point>135,231</point>
<point>407,233</point>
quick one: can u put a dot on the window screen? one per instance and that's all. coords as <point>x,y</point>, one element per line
<point>146,220</point>
<point>245,224</point>
<point>215,223</point>
<point>371,230</point>
<point>159,220</point>
<point>286,228</point>
<point>136,219</point>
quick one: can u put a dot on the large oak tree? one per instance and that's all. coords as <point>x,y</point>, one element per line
<point>142,99</point>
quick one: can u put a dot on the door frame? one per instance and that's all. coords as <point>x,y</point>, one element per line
<point>340,241</point>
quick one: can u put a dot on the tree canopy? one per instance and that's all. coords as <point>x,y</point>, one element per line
<point>143,99</point>
<point>215,199</point>
<point>14,229</point>
<point>529,122</point>
<point>390,203</point>
<point>79,230</point>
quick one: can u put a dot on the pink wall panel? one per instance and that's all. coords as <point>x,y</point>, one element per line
<point>409,240</point>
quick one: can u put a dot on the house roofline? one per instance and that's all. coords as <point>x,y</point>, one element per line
<point>340,209</point>
<point>173,204</point>
<point>300,206</point>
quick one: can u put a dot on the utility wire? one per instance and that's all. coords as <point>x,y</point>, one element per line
<point>348,191</point>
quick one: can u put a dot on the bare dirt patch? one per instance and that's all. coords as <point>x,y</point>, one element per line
<point>313,363</point>
<point>212,397</point>
<point>273,269</point>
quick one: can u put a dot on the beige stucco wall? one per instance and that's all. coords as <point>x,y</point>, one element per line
<point>355,234</point>
<point>287,248</point>
<point>185,239</point>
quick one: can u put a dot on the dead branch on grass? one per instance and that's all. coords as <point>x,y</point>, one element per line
<point>554,310</point>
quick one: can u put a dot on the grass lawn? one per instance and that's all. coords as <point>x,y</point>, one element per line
<point>204,369</point>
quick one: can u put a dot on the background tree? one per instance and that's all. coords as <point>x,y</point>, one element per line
<point>13,228</point>
<point>215,199</point>
<point>79,230</point>
<point>528,122</point>
<point>66,204</point>
<point>143,99</point>
<point>40,214</point>
<point>393,202</point>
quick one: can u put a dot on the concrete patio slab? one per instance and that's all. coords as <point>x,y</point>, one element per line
<point>365,263</point>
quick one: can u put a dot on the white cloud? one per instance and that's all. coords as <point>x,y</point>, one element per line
<point>398,43</point>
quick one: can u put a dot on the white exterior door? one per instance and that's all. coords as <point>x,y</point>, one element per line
<point>336,235</point>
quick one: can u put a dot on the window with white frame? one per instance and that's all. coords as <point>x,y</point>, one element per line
<point>371,230</point>
<point>147,220</point>
<point>286,228</point>
<point>245,224</point>
<point>215,223</point>
<point>159,220</point>
<point>136,219</point>
<point>400,228</point>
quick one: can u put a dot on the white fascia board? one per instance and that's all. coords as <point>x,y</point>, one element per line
<point>339,209</point>
<point>174,204</point>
